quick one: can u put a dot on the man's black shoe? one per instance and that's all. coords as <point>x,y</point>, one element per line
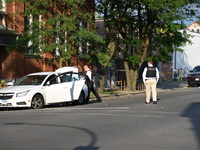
<point>99,100</point>
<point>155,102</point>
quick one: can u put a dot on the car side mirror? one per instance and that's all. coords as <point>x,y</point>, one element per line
<point>48,83</point>
<point>10,84</point>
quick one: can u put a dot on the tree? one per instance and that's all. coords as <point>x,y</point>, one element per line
<point>109,48</point>
<point>59,27</point>
<point>146,29</point>
<point>1,5</point>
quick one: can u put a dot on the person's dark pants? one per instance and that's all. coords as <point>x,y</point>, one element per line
<point>95,93</point>
<point>93,90</point>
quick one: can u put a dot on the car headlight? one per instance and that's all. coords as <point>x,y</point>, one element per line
<point>24,93</point>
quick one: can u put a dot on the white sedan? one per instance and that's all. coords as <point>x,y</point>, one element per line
<point>37,90</point>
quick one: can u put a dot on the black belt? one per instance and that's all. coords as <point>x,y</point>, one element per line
<point>150,79</point>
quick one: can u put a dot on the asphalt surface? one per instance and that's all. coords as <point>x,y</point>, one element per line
<point>118,123</point>
<point>172,85</point>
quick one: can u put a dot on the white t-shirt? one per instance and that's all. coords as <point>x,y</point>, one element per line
<point>89,74</point>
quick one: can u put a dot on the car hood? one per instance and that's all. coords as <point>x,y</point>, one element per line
<point>193,73</point>
<point>15,89</point>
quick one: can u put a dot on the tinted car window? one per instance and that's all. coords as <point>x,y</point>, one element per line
<point>31,80</point>
<point>196,69</point>
<point>67,77</point>
<point>75,76</point>
<point>51,79</point>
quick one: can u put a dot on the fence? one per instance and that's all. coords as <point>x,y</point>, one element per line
<point>121,85</point>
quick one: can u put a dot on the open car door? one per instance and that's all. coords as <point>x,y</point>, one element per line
<point>77,85</point>
<point>59,88</point>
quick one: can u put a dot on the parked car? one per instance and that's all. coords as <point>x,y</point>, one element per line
<point>194,76</point>
<point>37,90</point>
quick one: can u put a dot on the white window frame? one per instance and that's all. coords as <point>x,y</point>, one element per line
<point>56,53</point>
<point>32,53</point>
<point>4,10</point>
<point>3,5</point>
<point>81,49</point>
<point>57,50</point>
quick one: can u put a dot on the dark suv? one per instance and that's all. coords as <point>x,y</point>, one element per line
<point>194,77</point>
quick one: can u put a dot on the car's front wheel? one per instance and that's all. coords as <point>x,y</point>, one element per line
<point>37,102</point>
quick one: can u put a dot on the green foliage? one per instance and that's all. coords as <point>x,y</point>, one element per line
<point>103,58</point>
<point>110,92</point>
<point>146,29</point>
<point>157,22</point>
<point>57,26</point>
<point>134,59</point>
<point>1,6</point>
<point>2,83</point>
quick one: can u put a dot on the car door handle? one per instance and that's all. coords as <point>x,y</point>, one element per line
<point>66,87</point>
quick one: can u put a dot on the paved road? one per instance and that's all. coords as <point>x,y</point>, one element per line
<point>118,123</point>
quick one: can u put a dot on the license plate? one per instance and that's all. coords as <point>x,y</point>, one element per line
<point>4,101</point>
<point>196,79</point>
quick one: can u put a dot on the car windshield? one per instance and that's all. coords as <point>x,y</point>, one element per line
<point>196,69</point>
<point>31,80</point>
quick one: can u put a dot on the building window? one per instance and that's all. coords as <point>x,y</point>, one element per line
<point>32,47</point>
<point>197,30</point>
<point>2,12</point>
<point>83,47</point>
<point>2,5</point>
<point>59,39</point>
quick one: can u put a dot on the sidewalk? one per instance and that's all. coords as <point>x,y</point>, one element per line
<point>161,87</point>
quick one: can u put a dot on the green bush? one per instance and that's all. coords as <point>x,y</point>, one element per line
<point>110,92</point>
<point>2,83</point>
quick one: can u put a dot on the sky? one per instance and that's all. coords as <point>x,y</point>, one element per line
<point>188,22</point>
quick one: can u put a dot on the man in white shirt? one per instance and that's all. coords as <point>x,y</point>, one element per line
<point>91,84</point>
<point>150,78</point>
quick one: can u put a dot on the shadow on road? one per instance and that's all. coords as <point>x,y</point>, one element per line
<point>92,136</point>
<point>193,113</point>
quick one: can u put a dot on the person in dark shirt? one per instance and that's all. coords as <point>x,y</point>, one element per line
<point>150,78</point>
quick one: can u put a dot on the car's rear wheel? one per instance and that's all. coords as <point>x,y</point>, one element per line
<point>37,102</point>
<point>81,98</point>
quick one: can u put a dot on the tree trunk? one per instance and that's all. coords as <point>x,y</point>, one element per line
<point>132,74</point>
<point>128,77</point>
<point>134,79</point>
<point>131,77</point>
<point>101,84</point>
<point>110,51</point>
<point>61,63</point>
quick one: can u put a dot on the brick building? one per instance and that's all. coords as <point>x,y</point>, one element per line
<point>17,64</point>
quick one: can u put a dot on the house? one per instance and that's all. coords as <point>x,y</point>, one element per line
<point>189,58</point>
<point>194,27</point>
<point>17,64</point>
